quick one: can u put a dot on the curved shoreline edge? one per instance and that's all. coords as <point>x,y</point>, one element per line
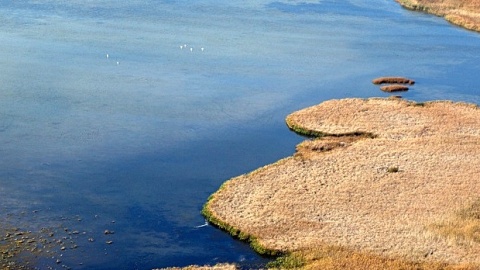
<point>468,19</point>
<point>385,132</point>
<point>462,13</point>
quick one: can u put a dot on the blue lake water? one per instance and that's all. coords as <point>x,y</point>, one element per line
<point>136,142</point>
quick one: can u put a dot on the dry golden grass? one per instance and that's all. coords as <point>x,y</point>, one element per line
<point>396,80</point>
<point>309,148</point>
<point>341,190</point>
<point>334,258</point>
<point>221,266</point>
<point>463,227</point>
<point>465,13</point>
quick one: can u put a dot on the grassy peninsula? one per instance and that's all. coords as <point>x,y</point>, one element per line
<point>389,184</point>
<point>385,184</point>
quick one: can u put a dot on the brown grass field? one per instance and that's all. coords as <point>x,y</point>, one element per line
<point>392,185</point>
<point>464,13</point>
<point>220,266</point>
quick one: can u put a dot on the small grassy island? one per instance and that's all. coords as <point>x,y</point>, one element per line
<point>394,88</point>
<point>393,84</point>
<point>385,183</point>
<point>393,80</point>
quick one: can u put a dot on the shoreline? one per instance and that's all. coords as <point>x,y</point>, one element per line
<point>348,194</point>
<point>463,13</point>
<point>466,15</point>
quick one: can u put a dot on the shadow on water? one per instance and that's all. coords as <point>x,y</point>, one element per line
<point>136,213</point>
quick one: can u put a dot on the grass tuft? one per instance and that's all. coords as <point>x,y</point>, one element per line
<point>419,104</point>
<point>471,212</point>
<point>463,227</point>
<point>290,261</point>
<point>393,169</point>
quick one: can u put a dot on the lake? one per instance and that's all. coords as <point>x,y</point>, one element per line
<point>118,120</point>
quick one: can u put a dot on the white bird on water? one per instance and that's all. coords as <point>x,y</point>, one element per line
<point>203,225</point>
<point>107,56</point>
<point>184,46</point>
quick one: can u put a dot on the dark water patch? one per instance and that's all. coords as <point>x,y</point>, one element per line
<point>151,202</point>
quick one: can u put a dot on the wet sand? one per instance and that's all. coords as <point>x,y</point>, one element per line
<point>386,177</point>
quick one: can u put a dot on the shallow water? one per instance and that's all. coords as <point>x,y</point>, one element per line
<point>136,142</point>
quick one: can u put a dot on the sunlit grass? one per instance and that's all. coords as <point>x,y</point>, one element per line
<point>464,227</point>
<point>330,258</point>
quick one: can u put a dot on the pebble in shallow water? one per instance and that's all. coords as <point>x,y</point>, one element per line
<point>45,242</point>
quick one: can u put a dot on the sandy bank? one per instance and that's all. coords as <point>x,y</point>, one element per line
<point>464,13</point>
<point>390,179</point>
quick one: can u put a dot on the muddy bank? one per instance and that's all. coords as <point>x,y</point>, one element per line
<point>389,178</point>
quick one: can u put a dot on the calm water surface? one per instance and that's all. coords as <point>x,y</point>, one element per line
<point>136,142</point>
